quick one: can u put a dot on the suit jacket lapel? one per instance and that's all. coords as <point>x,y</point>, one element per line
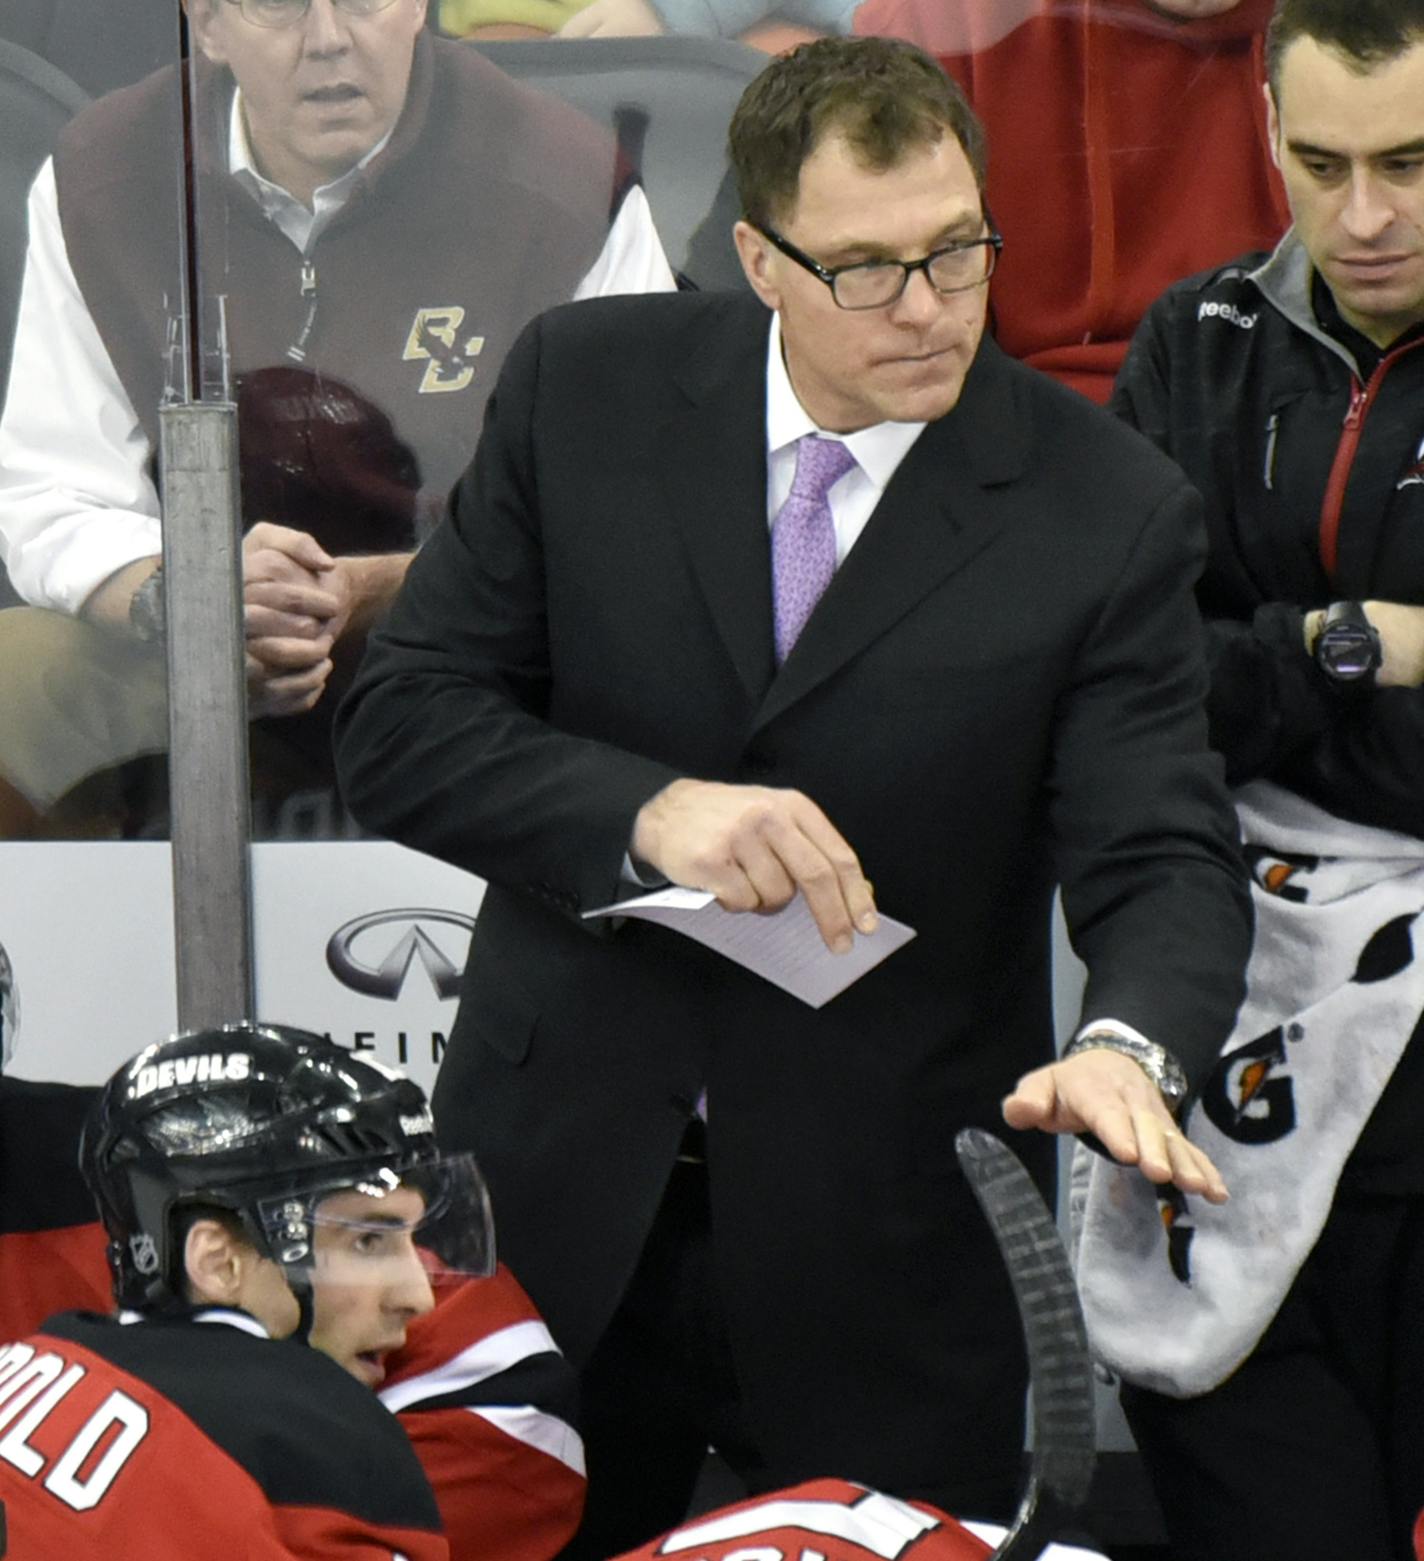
<point>712,455</point>
<point>940,509</point>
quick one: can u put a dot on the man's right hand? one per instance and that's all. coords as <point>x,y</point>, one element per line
<point>754,847</point>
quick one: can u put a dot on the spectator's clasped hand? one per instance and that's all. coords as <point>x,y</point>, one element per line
<point>296,601</point>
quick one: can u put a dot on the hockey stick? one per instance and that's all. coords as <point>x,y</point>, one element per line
<point>1060,1368</point>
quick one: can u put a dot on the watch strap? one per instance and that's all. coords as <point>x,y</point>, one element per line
<point>147,613</point>
<point>1155,1061</point>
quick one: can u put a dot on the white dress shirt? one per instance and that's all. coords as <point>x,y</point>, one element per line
<point>878,450</point>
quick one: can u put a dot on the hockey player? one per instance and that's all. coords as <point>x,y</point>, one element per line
<point>478,1384</point>
<point>260,1188</point>
<point>834,1520</point>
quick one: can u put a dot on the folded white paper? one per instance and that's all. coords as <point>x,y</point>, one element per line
<point>784,947</point>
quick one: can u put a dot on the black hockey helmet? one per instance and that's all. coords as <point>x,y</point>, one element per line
<point>264,1122</point>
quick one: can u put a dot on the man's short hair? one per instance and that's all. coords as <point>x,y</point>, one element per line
<point>886,98</point>
<point>1365,33</point>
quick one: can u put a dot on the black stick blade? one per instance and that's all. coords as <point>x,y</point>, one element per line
<point>1060,1367</point>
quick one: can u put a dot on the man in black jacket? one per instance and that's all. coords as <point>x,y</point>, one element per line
<point>1290,388</point>
<point>591,665</point>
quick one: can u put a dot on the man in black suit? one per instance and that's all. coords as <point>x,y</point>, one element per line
<point>589,681</point>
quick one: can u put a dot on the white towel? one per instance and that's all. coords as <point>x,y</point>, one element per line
<point>1176,1290</point>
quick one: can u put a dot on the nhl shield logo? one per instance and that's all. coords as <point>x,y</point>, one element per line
<point>144,1254</point>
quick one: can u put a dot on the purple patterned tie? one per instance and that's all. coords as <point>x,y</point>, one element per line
<point>803,537</point>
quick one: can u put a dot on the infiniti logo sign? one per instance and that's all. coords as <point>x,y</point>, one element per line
<point>373,954</point>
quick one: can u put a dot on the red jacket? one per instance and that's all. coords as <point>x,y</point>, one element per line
<point>1126,151</point>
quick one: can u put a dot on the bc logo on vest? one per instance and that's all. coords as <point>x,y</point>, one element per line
<point>434,340</point>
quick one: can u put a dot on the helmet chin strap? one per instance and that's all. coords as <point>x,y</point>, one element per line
<point>299,1283</point>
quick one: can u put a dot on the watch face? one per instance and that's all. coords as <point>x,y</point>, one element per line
<point>1347,651</point>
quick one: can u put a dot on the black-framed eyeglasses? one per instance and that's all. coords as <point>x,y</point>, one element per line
<point>287,13</point>
<point>872,284</point>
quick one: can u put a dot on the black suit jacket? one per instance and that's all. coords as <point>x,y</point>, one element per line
<point>999,690</point>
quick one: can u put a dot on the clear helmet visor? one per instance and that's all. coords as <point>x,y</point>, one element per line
<point>388,1228</point>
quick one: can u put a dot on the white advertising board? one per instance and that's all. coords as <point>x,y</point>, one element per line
<point>88,928</point>
<point>360,940</point>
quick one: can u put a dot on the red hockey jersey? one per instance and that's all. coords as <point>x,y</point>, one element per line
<point>484,1395</point>
<point>200,1436</point>
<point>479,1386</point>
<point>822,1520</point>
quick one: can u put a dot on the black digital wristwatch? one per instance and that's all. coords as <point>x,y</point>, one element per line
<point>1347,649</point>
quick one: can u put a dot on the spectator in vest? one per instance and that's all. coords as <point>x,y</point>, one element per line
<point>380,211</point>
<point>706,604</point>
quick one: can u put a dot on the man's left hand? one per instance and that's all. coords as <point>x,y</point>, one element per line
<point>1106,1094</point>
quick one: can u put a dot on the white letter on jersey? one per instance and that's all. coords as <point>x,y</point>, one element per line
<point>13,1356</point>
<point>117,1409</point>
<point>880,1524</point>
<point>13,1445</point>
<point>34,1379</point>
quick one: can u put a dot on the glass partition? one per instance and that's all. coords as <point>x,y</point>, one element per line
<point>84,704</point>
<point>335,216</point>
<point>376,209</point>
<point>91,304</point>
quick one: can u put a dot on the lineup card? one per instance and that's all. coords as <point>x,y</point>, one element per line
<point>784,948</point>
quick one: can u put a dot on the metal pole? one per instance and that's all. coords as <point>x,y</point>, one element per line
<point>207,713</point>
